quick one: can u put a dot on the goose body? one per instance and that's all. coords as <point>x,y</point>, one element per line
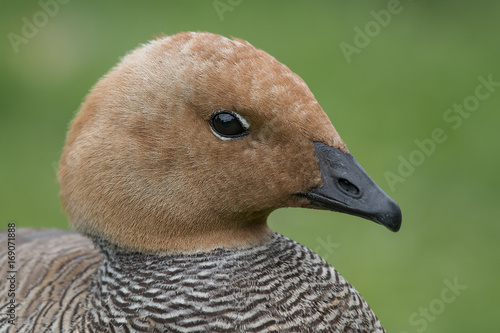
<point>169,172</point>
<point>280,286</point>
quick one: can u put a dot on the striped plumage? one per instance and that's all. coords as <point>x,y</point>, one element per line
<point>54,271</point>
<point>277,287</point>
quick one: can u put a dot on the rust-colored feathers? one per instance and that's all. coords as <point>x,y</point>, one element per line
<point>138,166</point>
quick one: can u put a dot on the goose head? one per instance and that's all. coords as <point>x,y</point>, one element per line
<point>192,140</point>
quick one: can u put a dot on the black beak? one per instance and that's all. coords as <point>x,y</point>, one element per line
<point>347,188</point>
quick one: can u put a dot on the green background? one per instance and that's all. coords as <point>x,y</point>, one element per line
<point>394,91</point>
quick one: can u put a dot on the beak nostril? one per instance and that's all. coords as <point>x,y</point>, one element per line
<point>347,187</point>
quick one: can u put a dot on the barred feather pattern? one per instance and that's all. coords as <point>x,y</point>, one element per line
<point>53,272</point>
<point>279,287</point>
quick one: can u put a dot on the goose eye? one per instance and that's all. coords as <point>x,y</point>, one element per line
<point>227,125</point>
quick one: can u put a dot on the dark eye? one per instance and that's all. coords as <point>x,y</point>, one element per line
<point>227,125</point>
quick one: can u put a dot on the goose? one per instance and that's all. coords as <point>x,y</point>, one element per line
<point>170,169</point>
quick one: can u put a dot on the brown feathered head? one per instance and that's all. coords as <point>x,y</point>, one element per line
<point>192,140</point>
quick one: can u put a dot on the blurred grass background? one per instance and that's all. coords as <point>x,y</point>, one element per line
<point>391,93</point>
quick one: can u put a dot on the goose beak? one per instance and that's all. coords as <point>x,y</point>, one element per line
<point>347,188</point>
